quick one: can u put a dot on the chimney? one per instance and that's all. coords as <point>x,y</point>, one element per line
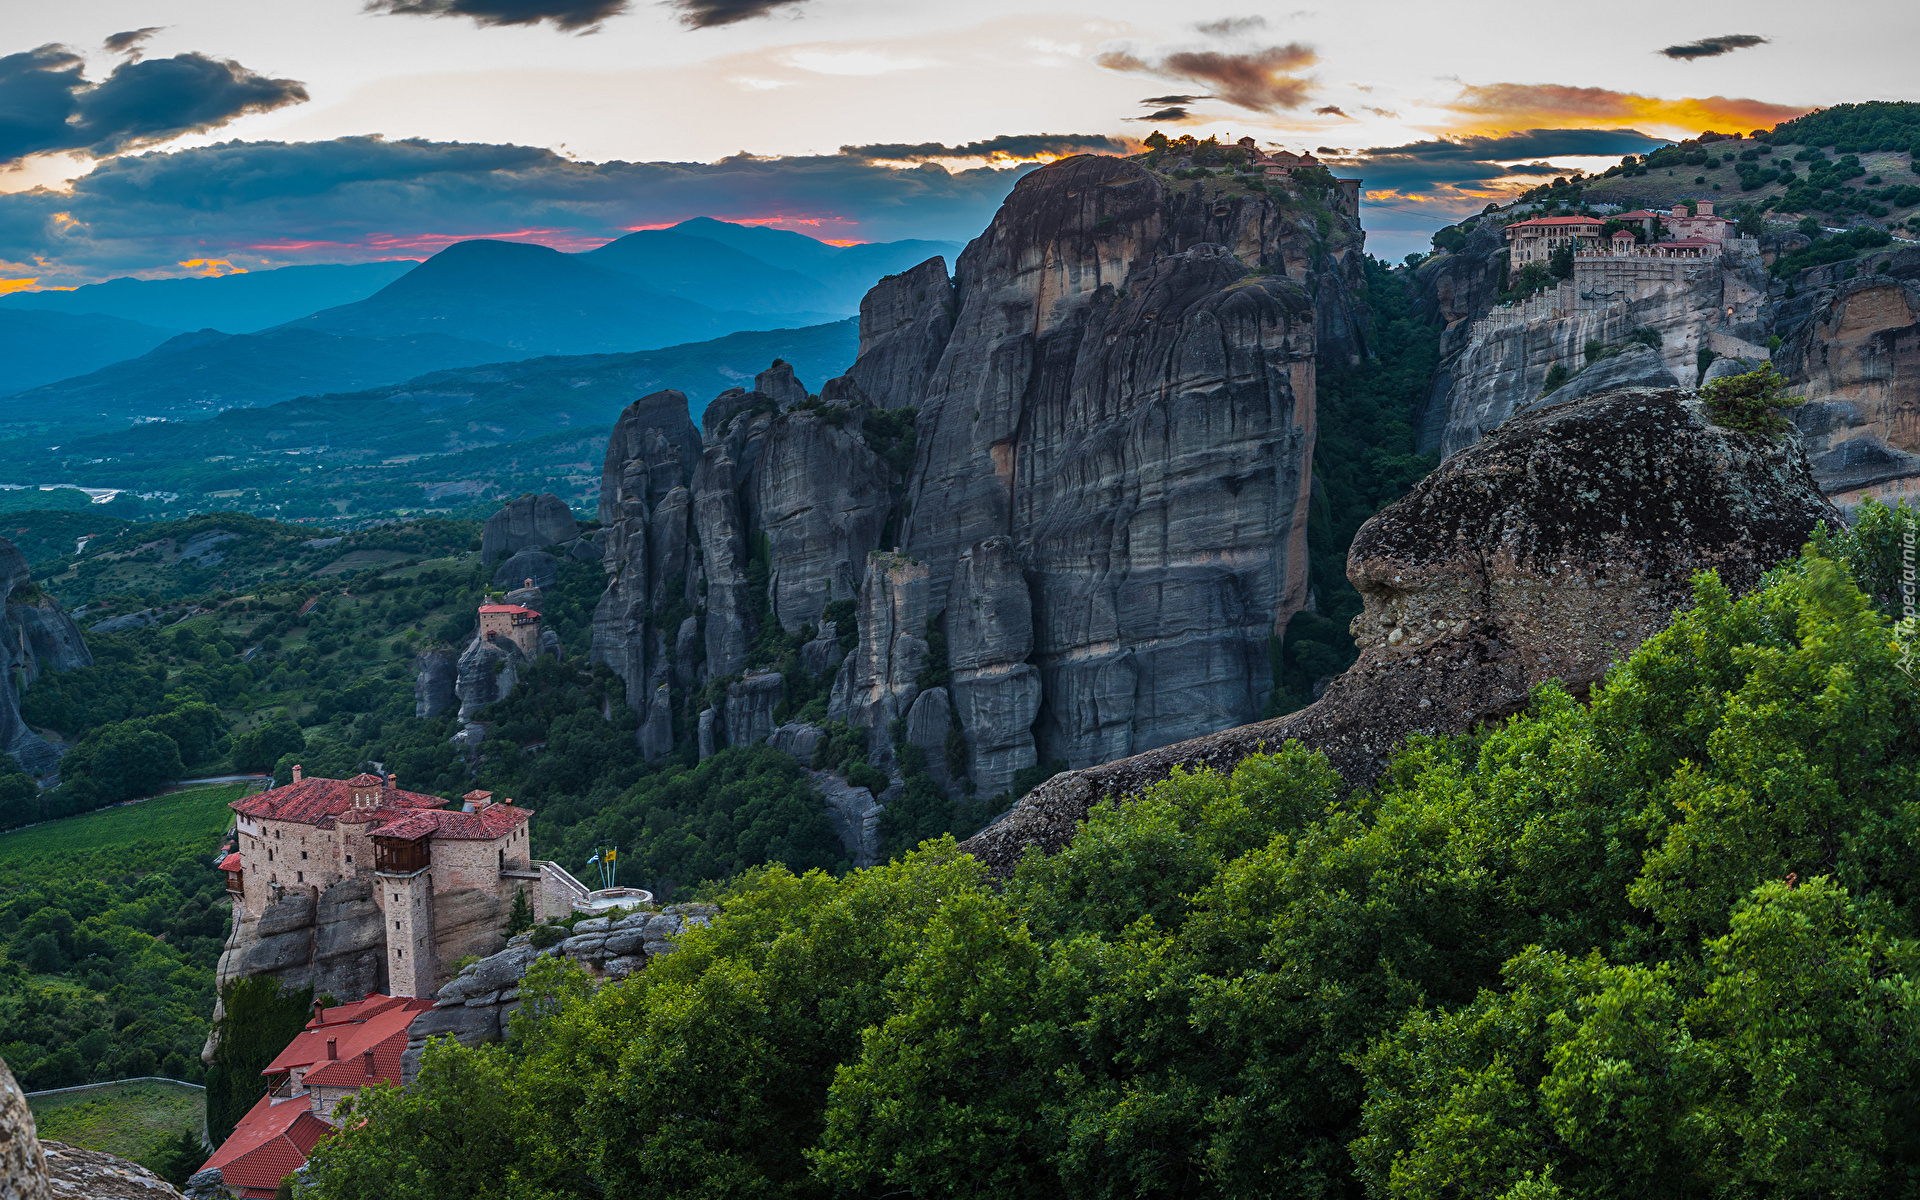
<point>319,1011</point>
<point>296,772</point>
<point>393,780</point>
<point>367,1058</point>
<point>333,1048</point>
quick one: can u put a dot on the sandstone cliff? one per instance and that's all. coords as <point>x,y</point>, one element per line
<point>36,637</point>
<point>1548,550</point>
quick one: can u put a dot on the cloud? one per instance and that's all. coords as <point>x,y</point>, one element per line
<point>1150,100</point>
<point>1231,26</point>
<point>1257,80</point>
<point>1007,146</point>
<point>1462,174</point>
<point>1175,113</point>
<point>584,16</point>
<point>1329,110</point>
<point>1501,106</point>
<point>129,41</point>
<point>1713,47</point>
<point>258,204</point>
<point>707,14</point>
<point>54,109</point>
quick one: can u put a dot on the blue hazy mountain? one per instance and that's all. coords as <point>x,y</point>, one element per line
<point>40,347</point>
<point>243,303</point>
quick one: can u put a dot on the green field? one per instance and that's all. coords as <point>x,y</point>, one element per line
<point>196,816</point>
<point>120,1118</point>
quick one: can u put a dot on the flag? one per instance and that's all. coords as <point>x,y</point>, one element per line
<point>613,853</point>
<point>594,859</point>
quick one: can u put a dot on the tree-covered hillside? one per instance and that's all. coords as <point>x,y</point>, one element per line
<point>1658,944</point>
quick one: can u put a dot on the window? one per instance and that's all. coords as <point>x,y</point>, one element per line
<point>299,876</point>
<point>303,854</point>
<point>396,924</point>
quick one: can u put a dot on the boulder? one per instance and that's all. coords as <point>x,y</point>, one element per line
<point>798,739</point>
<point>1549,550</point>
<point>74,1173</point>
<point>535,521</point>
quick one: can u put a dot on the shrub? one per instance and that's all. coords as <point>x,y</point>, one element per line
<point>1750,403</point>
<point>547,935</point>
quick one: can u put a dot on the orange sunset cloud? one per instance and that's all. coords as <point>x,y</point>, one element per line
<point>1498,107</point>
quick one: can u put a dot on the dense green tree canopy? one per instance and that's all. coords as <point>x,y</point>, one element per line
<point>1657,943</point>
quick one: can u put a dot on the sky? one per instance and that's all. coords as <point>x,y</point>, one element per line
<point>175,137</point>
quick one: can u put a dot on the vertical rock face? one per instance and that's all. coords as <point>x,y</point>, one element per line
<point>1128,396</point>
<point>530,521</point>
<point>1114,398</point>
<point>993,688</point>
<point>36,637</point>
<point>644,505</point>
<point>486,672</point>
<point>537,565</point>
<point>1854,351</point>
<point>334,941</point>
<point>434,674</point>
<point>928,723</point>
<point>1547,551</point>
<point>876,682</point>
<point>23,1166</point>
<point>905,322</point>
<point>750,705</point>
<point>821,498</point>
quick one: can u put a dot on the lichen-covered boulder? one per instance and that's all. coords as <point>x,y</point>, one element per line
<point>1549,550</point>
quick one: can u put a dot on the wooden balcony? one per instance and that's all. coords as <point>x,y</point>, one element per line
<point>401,856</point>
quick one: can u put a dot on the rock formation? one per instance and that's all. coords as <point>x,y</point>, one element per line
<point>434,674</point>
<point>477,1004</point>
<point>37,637</point>
<point>333,941</point>
<point>1852,348</point>
<point>1105,511</point>
<point>528,522</point>
<point>31,1169</point>
<point>1548,550</point>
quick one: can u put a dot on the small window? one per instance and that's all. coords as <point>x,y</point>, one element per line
<point>303,854</point>
<point>396,924</point>
<point>299,876</point>
<point>399,953</point>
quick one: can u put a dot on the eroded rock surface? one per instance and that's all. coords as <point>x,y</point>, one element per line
<point>527,522</point>
<point>1854,353</point>
<point>36,637</point>
<point>1549,550</point>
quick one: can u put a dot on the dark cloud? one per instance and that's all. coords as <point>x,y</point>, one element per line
<point>1462,172</point>
<point>1021,145</point>
<point>1257,80</point>
<point>360,198</point>
<point>1714,47</point>
<point>1332,150</point>
<point>1152,100</point>
<point>706,14</point>
<point>50,107</point>
<point>1175,113</point>
<point>129,41</point>
<point>1231,26</point>
<point>583,16</point>
<point>1329,110</point>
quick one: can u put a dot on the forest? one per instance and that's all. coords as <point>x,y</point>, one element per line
<point>1656,943</point>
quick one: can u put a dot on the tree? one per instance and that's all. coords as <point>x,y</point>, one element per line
<point>1751,402</point>
<point>119,762</point>
<point>175,1156</point>
<point>1560,264</point>
<point>259,749</point>
<point>521,918</point>
<point>19,799</point>
<point>257,1021</point>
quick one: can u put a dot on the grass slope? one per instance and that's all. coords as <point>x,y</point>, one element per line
<point>194,815</point>
<point>124,1118</point>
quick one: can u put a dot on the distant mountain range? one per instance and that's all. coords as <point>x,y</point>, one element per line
<point>404,433</point>
<point>242,303</point>
<point>114,352</point>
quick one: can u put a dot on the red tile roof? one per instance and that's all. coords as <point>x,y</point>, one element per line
<point>412,825</point>
<point>231,862</point>
<point>515,609</point>
<point>310,1044</point>
<point>269,1144</point>
<point>314,801</point>
<point>1638,214</point>
<point>384,1034</point>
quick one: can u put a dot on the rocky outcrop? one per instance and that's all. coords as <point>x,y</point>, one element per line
<point>476,1005</point>
<point>1686,307</point>
<point>905,323</point>
<point>821,498</point>
<point>929,722</point>
<point>486,672</point>
<point>334,940</point>
<point>1853,350</point>
<point>434,674</point>
<point>1549,550</point>
<point>74,1173</point>
<point>877,682</point>
<point>750,705</point>
<point>536,565</point>
<point>994,689</point>
<point>528,522</point>
<point>1128,397</point>
<point>854,813</point>
<point>1636,366</point>
<point>37,637</point>
<point>23,1166</point>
